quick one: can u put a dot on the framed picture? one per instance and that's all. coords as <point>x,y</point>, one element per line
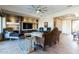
<point>45,24</point>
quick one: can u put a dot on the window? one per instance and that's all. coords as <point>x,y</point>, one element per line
<point>0,25</point>
<point>75,26</point>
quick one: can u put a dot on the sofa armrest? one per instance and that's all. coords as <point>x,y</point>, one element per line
<point>46,34</point>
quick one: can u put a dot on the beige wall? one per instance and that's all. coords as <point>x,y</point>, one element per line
<point>48,19</point>
<point>58,23</point>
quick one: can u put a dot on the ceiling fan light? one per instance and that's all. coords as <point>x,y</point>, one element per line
<point>38,11</point>
<point>76,14</point>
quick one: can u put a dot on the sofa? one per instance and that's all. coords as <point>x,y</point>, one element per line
<point>8,33</point>
<point>51,38</point>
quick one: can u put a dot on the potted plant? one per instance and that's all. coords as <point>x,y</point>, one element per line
<point>1,38</point>
<point>8,29</point>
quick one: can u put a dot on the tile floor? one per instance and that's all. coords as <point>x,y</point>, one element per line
<point>66,46</point>
<point>13,47</point>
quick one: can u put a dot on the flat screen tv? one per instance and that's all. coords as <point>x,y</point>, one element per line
<point>27,25</point>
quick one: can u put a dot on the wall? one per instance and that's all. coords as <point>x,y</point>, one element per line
<point>48,19</point>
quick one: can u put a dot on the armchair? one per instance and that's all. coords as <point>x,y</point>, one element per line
<point>10,35</point>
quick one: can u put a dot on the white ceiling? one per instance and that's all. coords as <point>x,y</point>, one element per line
<point>29,10</point>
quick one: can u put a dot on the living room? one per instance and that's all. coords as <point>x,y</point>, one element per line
<point>22,25</point>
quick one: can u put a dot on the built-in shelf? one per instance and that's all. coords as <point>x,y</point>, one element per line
<point>16,22</point>
<point>9,23</point>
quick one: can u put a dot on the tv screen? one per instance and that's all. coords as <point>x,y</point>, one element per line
<point>27,25</point>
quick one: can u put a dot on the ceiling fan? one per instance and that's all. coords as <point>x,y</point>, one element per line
<point>39,8</point>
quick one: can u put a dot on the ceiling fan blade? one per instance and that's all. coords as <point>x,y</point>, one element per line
<point>39,6</point>
<point>44,10</point>
<point>34,7</point>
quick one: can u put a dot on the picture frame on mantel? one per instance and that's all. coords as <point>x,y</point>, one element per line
<point>46,24</point>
